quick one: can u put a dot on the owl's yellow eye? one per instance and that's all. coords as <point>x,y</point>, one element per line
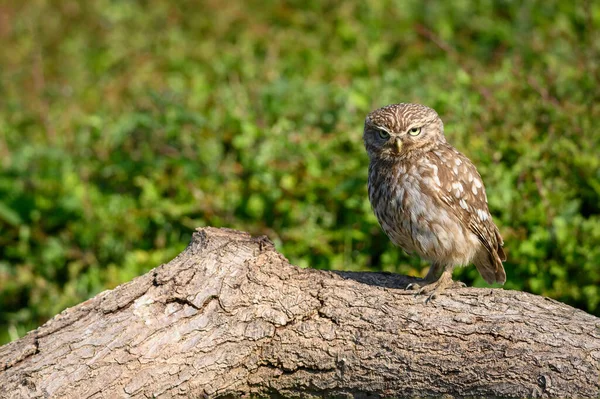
<point>383,134</point>
<point>415,131</point>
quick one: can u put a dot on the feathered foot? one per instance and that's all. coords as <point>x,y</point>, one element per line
<point>434,288</point>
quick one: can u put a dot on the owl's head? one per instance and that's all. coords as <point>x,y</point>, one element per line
<point>401,131</point>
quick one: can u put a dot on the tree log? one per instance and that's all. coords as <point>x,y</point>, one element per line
<point>231,317</point>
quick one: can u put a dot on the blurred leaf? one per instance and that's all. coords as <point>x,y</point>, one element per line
<point>8,215</point>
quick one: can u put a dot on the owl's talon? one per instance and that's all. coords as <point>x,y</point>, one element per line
<point>412,287</point>
<point>432,293</point>
<point>434,289</point>
<point>429,298</point>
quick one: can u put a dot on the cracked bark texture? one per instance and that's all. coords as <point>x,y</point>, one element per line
<point>231,317</point>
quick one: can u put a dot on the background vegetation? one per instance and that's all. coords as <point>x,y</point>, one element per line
<point>126,124</point>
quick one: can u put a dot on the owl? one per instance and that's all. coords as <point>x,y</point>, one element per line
<point>429,198</point>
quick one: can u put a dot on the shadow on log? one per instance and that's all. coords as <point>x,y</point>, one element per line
<point>231,317</point>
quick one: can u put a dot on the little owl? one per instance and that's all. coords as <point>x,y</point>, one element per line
<point>428,197</point>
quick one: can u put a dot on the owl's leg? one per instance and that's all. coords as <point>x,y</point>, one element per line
<point>434,273</point>
<point>437,280</point>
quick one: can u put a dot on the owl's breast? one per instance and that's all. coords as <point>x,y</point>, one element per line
<point>391,193</point>
<point>403,200</point>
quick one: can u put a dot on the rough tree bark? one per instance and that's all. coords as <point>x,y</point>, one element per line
<point>231,317</point>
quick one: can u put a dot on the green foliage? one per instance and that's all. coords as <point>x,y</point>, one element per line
<point>125,125</point>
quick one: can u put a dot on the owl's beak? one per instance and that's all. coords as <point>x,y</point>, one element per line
<point>399,145</point>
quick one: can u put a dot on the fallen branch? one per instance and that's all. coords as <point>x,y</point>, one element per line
<point>230,316</point>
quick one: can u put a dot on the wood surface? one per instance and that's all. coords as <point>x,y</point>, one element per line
<point>230,317</point>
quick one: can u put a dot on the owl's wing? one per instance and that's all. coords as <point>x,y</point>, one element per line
<point>461,189</point>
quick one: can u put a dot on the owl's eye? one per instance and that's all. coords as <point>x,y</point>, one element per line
<point>415,131</point>
<point>383,134</point>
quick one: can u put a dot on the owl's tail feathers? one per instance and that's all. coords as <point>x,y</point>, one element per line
<point>500,243</point>
<point>490,266</point>
<point>499,272</point>
<point>490,261</point>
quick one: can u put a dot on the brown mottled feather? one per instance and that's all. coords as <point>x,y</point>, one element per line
<point>473,212</point>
